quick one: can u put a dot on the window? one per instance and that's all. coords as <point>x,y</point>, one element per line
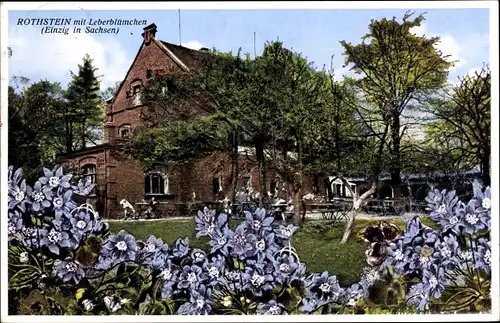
<point>125,132</point>
<point>136,92</point>
<point>156,183</point>
<point>353,188</point>
<point>217,184</point>
<point>164,90</point>
<point>89,172</point>
<point>338,190</point>
<point>149,73</point>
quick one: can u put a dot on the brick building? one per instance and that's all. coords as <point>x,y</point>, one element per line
<point>118,177</point>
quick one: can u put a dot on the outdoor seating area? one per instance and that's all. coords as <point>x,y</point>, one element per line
<point>335,210</point>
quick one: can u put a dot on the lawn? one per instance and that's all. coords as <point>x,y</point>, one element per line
<point>317,243</point>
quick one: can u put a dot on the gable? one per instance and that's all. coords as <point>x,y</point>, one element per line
<point>154,57</point>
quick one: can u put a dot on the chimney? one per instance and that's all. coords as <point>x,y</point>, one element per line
<point>149,33</point>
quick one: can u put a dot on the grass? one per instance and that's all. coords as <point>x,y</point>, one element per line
<point>317,243</point>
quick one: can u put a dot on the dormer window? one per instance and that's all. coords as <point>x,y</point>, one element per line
<point>136,93</point>
<point>125,132</point>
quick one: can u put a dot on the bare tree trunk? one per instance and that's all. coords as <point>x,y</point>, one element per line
<point>358,202</point>
<point>396,155</point>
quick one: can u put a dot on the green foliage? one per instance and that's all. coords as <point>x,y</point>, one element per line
<point>180,141</point>
<point>32,121</point>
<point>85,106</point>
<point>396,68</point>
<point>461,123</point>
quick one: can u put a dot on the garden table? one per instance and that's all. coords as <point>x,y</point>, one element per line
<point>335,212</point>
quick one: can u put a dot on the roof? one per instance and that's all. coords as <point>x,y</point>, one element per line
<point>187,58</point>
<point>191,57</point>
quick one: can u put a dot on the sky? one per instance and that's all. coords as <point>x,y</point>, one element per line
<point>315,33</point>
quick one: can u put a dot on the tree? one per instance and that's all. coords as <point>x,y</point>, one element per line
<point>461,122</point>
<point>292,112</point>
<point>85,105</point>
<point>32,124</point>
<point>398,69</point>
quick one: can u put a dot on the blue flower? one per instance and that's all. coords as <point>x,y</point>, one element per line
<point>441,205</point>
<point>181,247</point>
<point>418,297</point>
<point>15,223</point>
<point>413,229</point>
<point>155,253</point>
<point>285,268</point>
<point>199,302</point>
<point>69,270</point>
<point>199,256</point>
<point>40,196</point>
<point>215,269</point>
<point>14,177</point>
<point>271,308</point>
<point>104,263</point>
<point>55,239</point>
<point>434,281</point>
<point>55,178</point>
<point>257,281</point>
<point>484,198</point>
<point>311,304</point>
<point>285,232</point>
<point>205,222</point>
<point>191,277</point>
<point>397,256</point>
<point>31,237</point>
<point>82,222</point>
<point>74,234</point>
<point>447,249</point>
<point>353,294</point>
<point>473,221</point>
<point>18,195</point>
<point>232,279</point>
<point>239,243</point>
<point>63,204</point>
<point>324,287</point>
<point>263,247</point>
<point>482,255</point>
<point>219,240</point>
<point>121,247</point>
<point>257,223</point>
<point>169,275</point>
